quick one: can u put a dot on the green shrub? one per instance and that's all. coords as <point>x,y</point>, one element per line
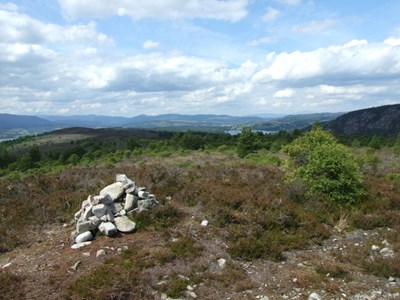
<point>324,166</point>
<point>248,142</point>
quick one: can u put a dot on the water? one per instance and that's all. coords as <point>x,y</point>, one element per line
<point>9,139</point>
<point>236,132</point>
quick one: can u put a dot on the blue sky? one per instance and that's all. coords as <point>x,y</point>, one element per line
<point>238,57</point>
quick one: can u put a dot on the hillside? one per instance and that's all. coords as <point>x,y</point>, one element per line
<point>291,122</point>
<point>383,120</point>
<point>9,121</point>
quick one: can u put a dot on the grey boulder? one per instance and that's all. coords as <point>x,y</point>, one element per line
<point>84,237</point>
<point>108,229</point>
<point>124,224</point>
<point>115,190</point>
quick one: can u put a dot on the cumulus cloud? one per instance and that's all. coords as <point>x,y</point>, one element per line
<point>9,7</point>
<point>233,10</point>
<point>271,15</point>
<point>290,2</point>
<point>351,61</point>
<point>150,44</point>
<point>315,26</point>
<point>262,41</point>
<point>36,79</point>
<point>20,28</point>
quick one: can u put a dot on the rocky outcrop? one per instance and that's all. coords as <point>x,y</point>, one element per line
<point>107,212</point>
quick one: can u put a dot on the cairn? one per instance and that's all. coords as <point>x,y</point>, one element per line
<point>107,212</point>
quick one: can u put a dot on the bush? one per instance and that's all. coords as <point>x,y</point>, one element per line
<point>324,166</point>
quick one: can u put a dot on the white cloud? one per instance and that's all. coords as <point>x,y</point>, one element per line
<point>9,7</point>
<point>315,26</point>
<point>290,2</point>
<point>392,42</point>
<point>150,44</point>
<point>20,28</point>
<point>286,93</point>
<point>262,41</point>
<point>18,51</point>
<point>271,15</point>
<point>233,10</point>
<point>350,61</point>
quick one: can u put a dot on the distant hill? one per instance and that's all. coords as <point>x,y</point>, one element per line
<point>177,120</point>
<point>291,122</point>
<point>9,121</point>
<point>93,121</point>
<point>382,120</point>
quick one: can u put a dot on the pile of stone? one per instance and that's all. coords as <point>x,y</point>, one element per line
<point>108,212</point>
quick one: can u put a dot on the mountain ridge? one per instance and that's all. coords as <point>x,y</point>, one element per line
<point>381,120</point>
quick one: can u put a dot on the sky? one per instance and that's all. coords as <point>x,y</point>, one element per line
<point>236,57</point>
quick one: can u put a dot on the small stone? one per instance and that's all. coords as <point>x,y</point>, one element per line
<point>100,253</point>
<point>264,298</point>
<point>95,221</point>
<point>94,200</point>
<point>99,210</point>
<point>80,245</point>
<point>189,288</point>
<point>86,253</point>
<point>104,199</point>
<point>294,280</point>
<point>143,194</point>
<point>75,266</point>
<point>221,263</point>
<point>387,252</point>
<point>125,248</point>
<point>121,178</point>
<point>109,214</point>
<point>78,215</point>
<point>84,226</point>
<point>84,237</point>
<point>85,203</point>
<point>108,229</point>
<point>314,296</point>
<point>115,190</point>
<point>392,279</point>
<point>375,248</point>
<point>6,265</point>
<point>116,207</point>
<point>192,294</point>
<point>130,202</point>
<point>146,204</point>
<point>124,224</point>
<point>204,223</point>
<point>131,190</point>
<point>87,212</point>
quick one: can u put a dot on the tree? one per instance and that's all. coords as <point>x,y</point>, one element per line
<point>324,166</point>
<point>248,142</point>
<point>375,142</point>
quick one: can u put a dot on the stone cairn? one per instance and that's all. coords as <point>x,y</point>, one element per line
<point>107,212</point>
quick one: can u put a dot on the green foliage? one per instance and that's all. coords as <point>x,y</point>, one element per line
<point>375,142</point>
<point>324,166</point>
<point>397,145</point>
<point>248,142</point>
<point>369,161</point>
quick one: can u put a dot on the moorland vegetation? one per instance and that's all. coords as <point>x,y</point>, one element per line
<point>264,194</point>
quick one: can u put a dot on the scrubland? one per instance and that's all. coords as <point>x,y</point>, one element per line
<point>278,240</point>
